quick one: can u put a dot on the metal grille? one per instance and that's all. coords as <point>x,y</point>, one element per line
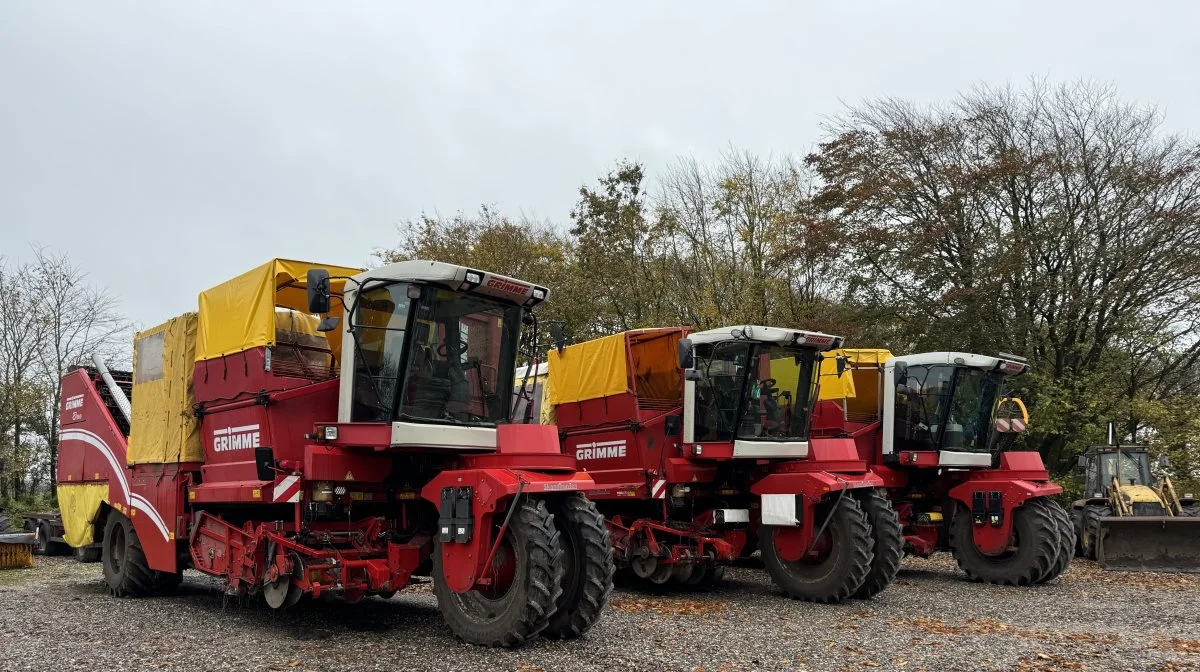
<point>1148,509</point>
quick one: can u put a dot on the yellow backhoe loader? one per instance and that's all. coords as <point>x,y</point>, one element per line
<point>1129,521</point>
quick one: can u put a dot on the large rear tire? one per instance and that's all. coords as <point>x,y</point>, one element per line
<point>126,570</point>
<point>838,571</point>
<point>1032,553</point>
<point>587,561</point>
<point>1066,531</point>
<point>1089,541</point>
<point>531,557</point>
<point>888,542</point>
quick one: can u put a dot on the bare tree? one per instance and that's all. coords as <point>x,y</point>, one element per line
<point>19,351</point>
<point>75,320</point>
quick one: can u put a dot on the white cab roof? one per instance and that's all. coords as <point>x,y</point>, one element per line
<point>974,361</point>
<point>761,334</point>
<point>453,276</point>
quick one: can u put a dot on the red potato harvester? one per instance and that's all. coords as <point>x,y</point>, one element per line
<point>323,431</point>
<point>700,445</point>
<point>933,426</point>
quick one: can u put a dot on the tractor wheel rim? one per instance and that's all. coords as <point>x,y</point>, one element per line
<point>117,556</point>
<point>487,603</point>
<point>503,571</point>
<point>790,546</point>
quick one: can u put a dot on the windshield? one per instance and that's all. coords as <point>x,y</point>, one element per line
<point>1133,467</point>
<point>463,346</point>
<point>945,407</point>
<point>754,391</point>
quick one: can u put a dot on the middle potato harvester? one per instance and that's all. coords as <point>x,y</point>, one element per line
<point>698,443</point>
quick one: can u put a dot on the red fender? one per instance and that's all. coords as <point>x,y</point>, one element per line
<point>1021,476</point>
<point>492,492</point>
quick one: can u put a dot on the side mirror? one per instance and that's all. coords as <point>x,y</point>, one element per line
<point>687,355</point>
<point>1164,461</point>
<point>318,291</point>
<point>842,363</point>
<point>1081,463</point>
<point>556,335</point>
<point>264,461</point>
<point>901,371</point>
<point>328,323</point>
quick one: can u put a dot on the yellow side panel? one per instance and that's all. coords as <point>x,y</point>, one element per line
<point>589,370</point>
<point>163,428</point>
<point>238,314</point>
<point>79,503</point>
<point>546,414</point>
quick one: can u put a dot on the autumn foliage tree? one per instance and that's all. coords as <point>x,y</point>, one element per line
<point>1055,222</point>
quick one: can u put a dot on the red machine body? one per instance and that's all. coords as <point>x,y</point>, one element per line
<point>680,503</point>
<point>292,497</point>
<point>932,484</point>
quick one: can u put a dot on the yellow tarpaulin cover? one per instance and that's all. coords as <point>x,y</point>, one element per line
<point>79,503</point>
<point>858,387</point>
<point>588,370</point>
<point>163,428</point>
<point>240,314</point>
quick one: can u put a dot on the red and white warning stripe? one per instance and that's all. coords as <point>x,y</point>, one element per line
<point>287,490</point>
<point>1002,425</point>
<point>1018,425</point>
<point>659,489</point>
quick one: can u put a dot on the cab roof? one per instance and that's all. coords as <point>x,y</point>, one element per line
<point>458,277</point>
<point>1005,366</point>
<point>761,334</point>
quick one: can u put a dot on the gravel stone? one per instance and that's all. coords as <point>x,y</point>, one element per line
<point>59,616</point>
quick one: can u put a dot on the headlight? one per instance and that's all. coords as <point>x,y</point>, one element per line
<point>331,433</point>
<point>474,278</point>
<point>539,293</point>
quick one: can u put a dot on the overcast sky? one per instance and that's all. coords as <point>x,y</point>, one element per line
<point>169,146</point>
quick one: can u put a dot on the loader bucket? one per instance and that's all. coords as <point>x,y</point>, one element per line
<point>1150,543</point>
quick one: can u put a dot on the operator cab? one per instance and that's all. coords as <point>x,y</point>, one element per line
<point>749,390</point>
<point>1129,465</point>
<point>432,348</point>
<point>945,402</point>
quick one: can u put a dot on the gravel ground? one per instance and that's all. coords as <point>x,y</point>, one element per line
<point>58,616</point>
